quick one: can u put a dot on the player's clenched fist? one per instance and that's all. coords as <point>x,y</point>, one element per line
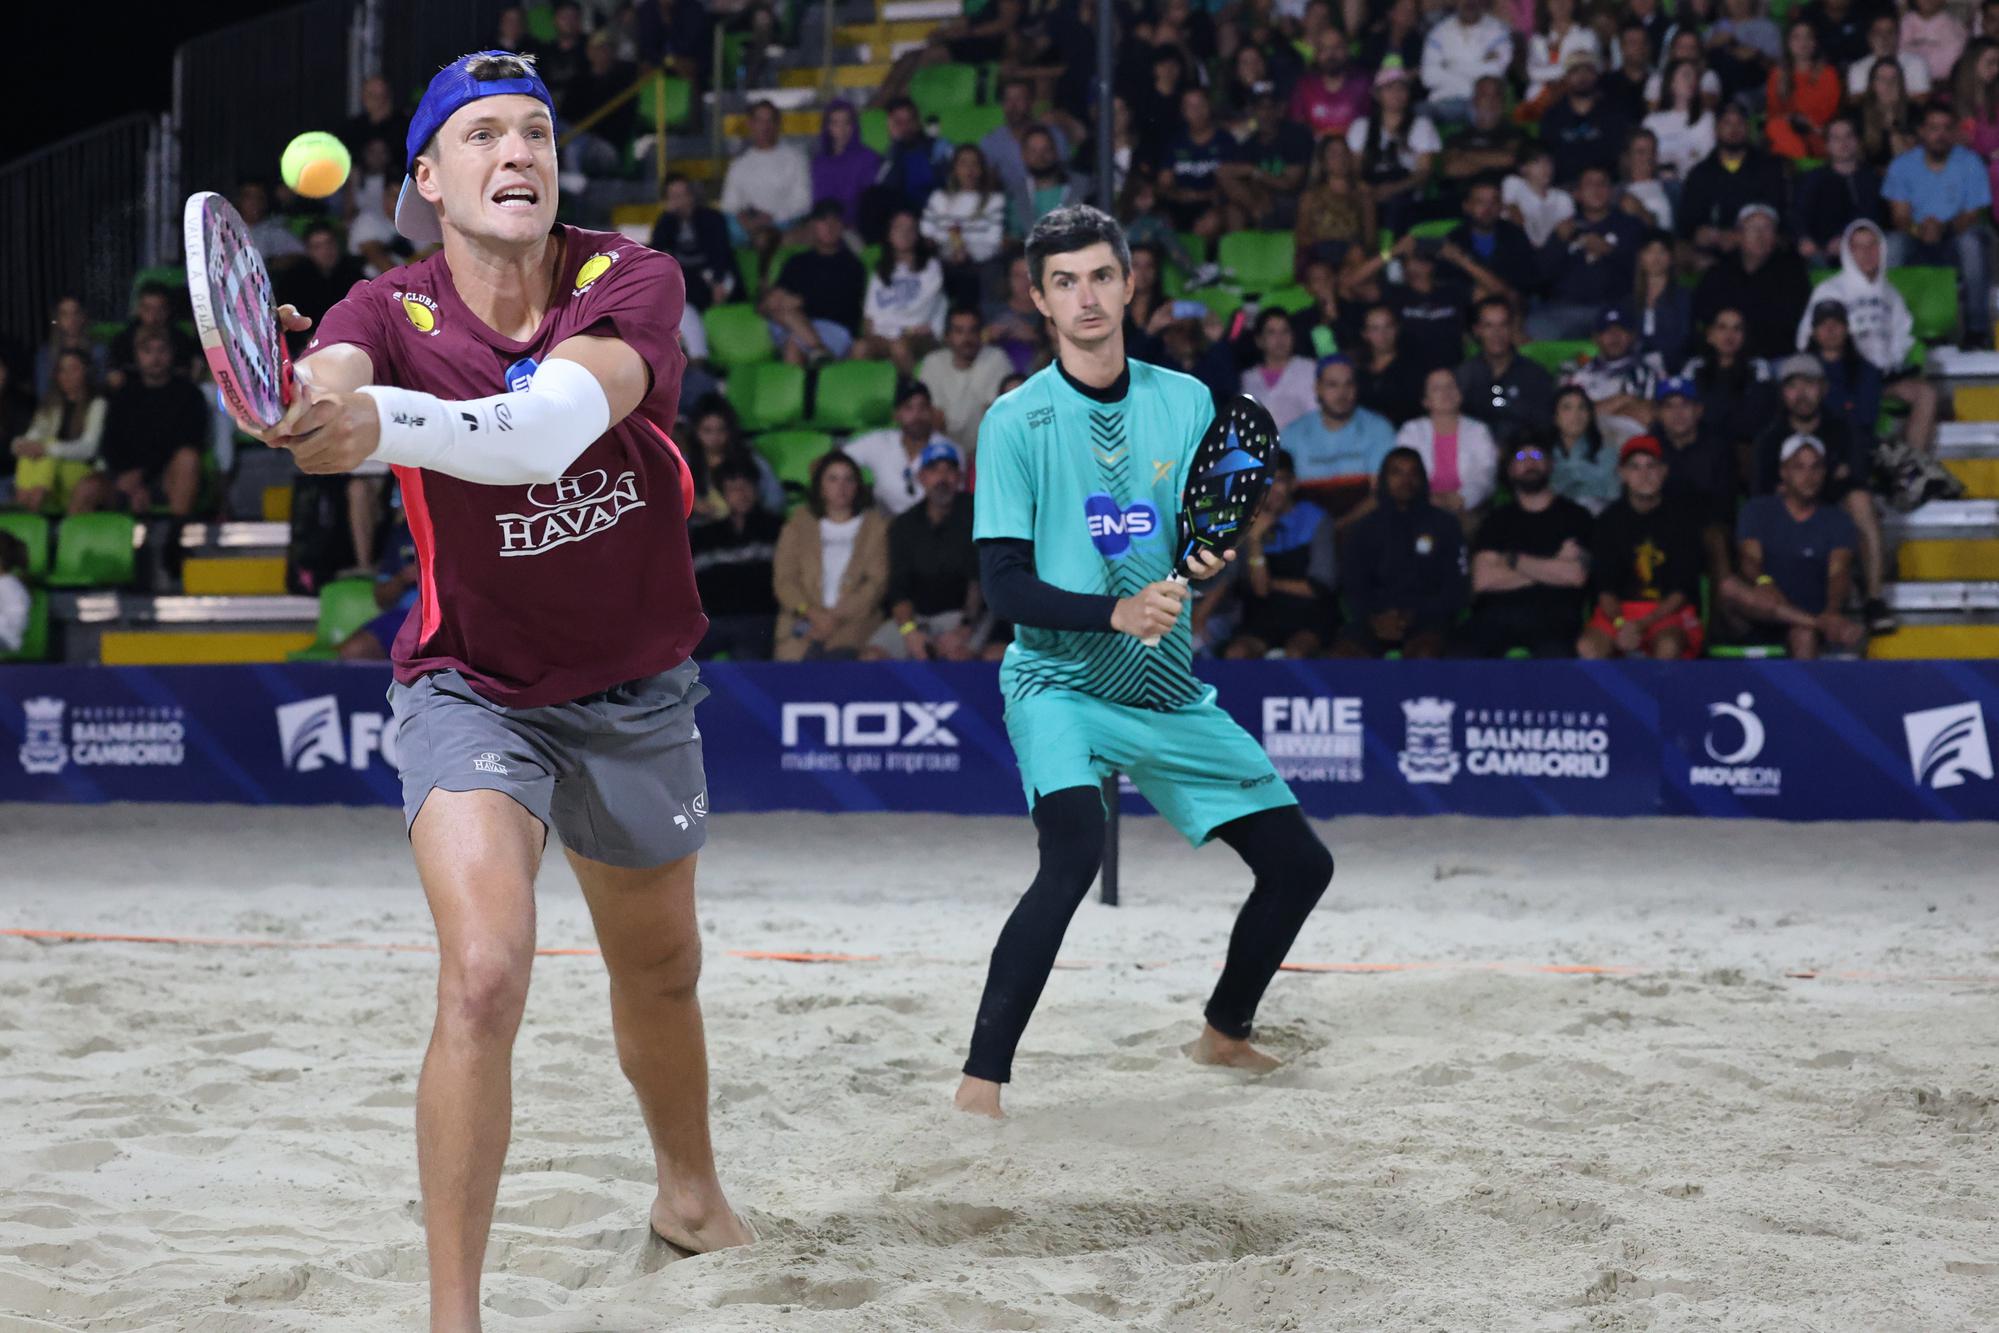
<point>338,433</point>
<point>1151,611</point>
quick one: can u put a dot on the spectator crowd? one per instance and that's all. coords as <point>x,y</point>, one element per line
<point>1584,331</point>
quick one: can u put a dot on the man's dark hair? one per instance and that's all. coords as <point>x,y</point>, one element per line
<point>1505,308</point>
<point>1282,461</point>
<point>909,389</point>
<point>513,65</point>
<point>1267,314</point>
<point>1064,231</point>
<point>1533,150</point>
<point>154,287</point>
<point>1938,109</point>
<point>1015,81</point>
<point>144,337</point>
<point>13,554</point>
<point>319,225</point>
<point>958,310</point>
<point>737,467</point>
<point>900,104</point>
<point>765,104</point>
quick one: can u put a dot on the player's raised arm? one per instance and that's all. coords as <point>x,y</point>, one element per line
<point>587,385</point>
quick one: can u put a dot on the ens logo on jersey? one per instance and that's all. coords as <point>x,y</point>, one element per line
<point>1114,528</point>
<point>521,374</point>
<point>595,267</point>
<point>420,310</point>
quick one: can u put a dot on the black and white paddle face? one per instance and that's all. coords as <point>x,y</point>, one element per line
<point>234,313</point>
<point>1226,482</point>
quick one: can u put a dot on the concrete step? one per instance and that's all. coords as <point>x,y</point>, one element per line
<point>901,11</point>
<point>1973,560</point>
<point>233,576</point>
<point>269,535</point>
<point>884,34</point>
<point>1944,597</point>
<point>130,609</point>
<point>1976,402</point>
<point>1979,475</point>
<point>1936,641</point>
<point>800,124</point>
<point>166,647</point>
<point>1968,439</point>
<point>1945,520</point>
<point>856,78</point>
<point>1953,364</point>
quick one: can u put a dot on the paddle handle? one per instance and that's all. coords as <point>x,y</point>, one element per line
<point>1152,641</point>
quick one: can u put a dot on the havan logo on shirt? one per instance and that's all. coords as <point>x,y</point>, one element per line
<point>568,511</point>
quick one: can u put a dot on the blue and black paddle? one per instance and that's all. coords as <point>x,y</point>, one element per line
<point>1226,482</point>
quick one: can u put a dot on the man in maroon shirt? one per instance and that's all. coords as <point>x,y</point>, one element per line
<point>521,381</point>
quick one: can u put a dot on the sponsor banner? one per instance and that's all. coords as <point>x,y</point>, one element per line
<point>1831,740</point>
<point>1773,739</point>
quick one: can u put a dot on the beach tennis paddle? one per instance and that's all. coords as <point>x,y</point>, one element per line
<point>1226,482</point>
<point>235,314</point>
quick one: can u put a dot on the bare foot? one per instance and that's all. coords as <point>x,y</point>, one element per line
<point>1212,1048</point>
<point>979,1096</point>
<point>689,1226</point>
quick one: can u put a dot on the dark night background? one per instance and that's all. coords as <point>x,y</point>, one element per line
<point>85,64</point>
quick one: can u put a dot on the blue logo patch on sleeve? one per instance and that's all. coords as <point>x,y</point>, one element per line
<point>1114,528</point>
<point>521,374</point>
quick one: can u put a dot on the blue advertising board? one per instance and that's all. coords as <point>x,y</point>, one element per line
<point>1789,740</point>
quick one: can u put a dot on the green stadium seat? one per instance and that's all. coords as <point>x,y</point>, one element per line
<point>1553,354</point>
<point>94,551</point>
<point>1435,229</point>
<point>870,256</point>
<point>679,98</point>
<point>1260,261</point>
<point>778,259</point>
<point>33,530</point>
<point>541,23</point>
<point>1224,301</point>
<point>855,395</point>
<point>35,639</point>
<point>748,273</point>
<point>1196,246</point>
<point>737,335</point>
<point>968,124</point>
<point>1932,296</point>
<point>791,454</point>
<point>345,605</point>
<point>874,128</point>
<point>1288,299</point>
<point>938,88</point>
<point>767,395</point>
<point>1746,652</point>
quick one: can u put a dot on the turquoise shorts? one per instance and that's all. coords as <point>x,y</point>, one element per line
<point>1197,767</point>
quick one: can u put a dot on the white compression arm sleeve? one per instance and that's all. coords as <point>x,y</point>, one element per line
<point>506,440</point>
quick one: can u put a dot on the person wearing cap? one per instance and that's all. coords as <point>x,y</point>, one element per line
<point>1760,277</point>
<point>1460,50</point>
<point>1329,97</point>
<point>1262,179</point>
<point>1619,379</point>
<point>522,380</point>
<point>1735,175</point>
<point>1940,200</point>
<point>1881,326</point>
<point>815,302</point>
<point>1396,146</point>
<point>1588,262</point>
<point>894,454</point>
<point>1794,557</point>
<point>1700,467</point>
<point>1555,44</point>
<point>1510,393</point>
<point>1847,463</point>
<point>1852,386</point>
<point>1529,563</point>
<point>1646,574</point>
<point>768,188</point>
<point>934,608</point>
<point>1583,128</point>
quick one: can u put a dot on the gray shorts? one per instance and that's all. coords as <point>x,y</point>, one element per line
<point>617,775</point>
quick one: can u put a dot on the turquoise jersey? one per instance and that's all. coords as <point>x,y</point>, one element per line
<point>1096,487</point>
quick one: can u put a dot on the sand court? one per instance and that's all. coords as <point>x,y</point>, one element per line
<point>1589,1075</point>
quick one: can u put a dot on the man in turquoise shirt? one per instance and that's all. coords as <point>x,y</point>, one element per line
<point>1081,471</point>
<point>1940,202</point>
<point>1338,449</point>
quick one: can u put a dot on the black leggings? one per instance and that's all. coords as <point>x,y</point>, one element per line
<point>1292,869</point>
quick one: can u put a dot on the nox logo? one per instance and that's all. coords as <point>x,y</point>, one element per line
<point>871,723</point>
<point>310,736</point>
<point>1114,528</point>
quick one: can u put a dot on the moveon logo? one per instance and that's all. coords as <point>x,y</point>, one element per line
<point>310,736</point>
<point>101,736</point>
<point>899,737</point>
<point>569,510</point>
<point>1313,739</point>
<point>1947,744</point>
<point>1734,739</point>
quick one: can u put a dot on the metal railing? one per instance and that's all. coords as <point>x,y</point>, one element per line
<point>81,217</point>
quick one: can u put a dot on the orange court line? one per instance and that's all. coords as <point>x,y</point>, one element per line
<point>808,956</point>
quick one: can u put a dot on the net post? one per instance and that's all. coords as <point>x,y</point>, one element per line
<point>1107,883</point>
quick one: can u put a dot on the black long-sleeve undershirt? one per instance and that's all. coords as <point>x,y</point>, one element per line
<point>1016,594</point>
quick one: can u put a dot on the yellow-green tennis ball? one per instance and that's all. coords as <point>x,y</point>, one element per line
<point>316,164</point>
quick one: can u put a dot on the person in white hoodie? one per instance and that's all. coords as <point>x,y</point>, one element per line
<point>1462,49</point>
<point>1879,322</point>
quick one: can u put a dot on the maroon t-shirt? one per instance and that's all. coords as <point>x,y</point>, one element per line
<point>541,594</point>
